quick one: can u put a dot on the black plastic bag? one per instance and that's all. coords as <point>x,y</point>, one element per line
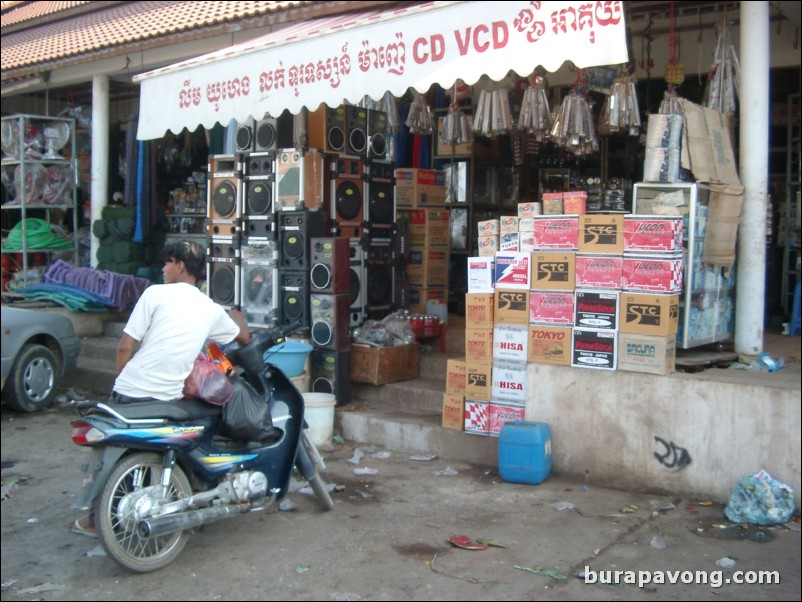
<point>246,416</point>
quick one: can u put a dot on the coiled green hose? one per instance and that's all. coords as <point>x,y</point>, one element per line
<point>40,235</point>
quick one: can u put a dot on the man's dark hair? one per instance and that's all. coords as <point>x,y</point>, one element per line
<point>191,253</point>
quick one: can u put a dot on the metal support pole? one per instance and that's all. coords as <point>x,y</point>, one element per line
<point>100,155</point>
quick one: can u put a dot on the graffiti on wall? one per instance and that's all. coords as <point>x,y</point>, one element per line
<point>671,455</point>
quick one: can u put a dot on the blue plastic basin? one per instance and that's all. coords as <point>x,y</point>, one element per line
<point>289,357</point>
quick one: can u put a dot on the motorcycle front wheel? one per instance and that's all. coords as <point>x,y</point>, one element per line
<point>123,503</point>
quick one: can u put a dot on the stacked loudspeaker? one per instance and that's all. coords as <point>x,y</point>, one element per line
<point>307,234</point>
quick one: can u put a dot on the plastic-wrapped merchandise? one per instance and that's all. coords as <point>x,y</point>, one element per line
<point>391,331</point>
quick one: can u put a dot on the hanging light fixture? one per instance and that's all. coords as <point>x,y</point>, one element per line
<point>456,128</point>
<point>535,115</point>
<point>420,120</point>
<point>573,128</point>
<point>493,114</point>
<point>723,87</point>
<point>621,112</point>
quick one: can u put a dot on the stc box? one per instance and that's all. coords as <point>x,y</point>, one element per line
<point>646,353</point>
<point>645,313</point>
<point>554,271</point>
<point>549,344</point>
<point>511,306</point>
<point>479,381</point>
<point>601,233</point>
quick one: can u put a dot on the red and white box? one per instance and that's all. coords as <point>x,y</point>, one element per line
<point>526,242</point>
<point>476,417</point>
<point>551,307</point>
<point>500,414</point>
<point>556,232</point>
<point>653,273</point>
<point>599,271</point>
<point>513,270</point>
<point>509,382</point>
<point>652,233</point>
<point>480,274</point>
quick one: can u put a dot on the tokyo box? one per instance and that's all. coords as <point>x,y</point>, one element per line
<point>653,273</point>
<point>556,232</point>
<point>597,309</point>
<point>554,271</point>
<point>652,233</point>
<point>380,365</point>
<point>476,417</point>
<point>551,307</point>
<point>648,313</point>
<point>479,310</point>
<point>499,414</point>
<point>549,344</point>
<point>601,233</point>
<point>511,306</point>
<point>479,381</point>
<point>646,353</point>
<point>479,345</point>
<point>599,271</point>
<point>455,376</point>
<point>594,349</point>
<point>509,382</point>
<point>513,270</point>
<point>481,274</point>
<point>510,343</point>
<point>453,411</point>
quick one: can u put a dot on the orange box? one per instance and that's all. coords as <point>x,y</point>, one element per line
<point>453,411</point>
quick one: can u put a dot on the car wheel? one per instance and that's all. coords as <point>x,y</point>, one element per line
<point>32,383</point>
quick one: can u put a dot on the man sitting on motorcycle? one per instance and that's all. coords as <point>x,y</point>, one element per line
<point>171,322</point>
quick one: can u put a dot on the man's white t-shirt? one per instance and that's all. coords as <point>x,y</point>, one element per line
<point>172,321</point>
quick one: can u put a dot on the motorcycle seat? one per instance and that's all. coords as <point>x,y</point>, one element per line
<point>171,410</point>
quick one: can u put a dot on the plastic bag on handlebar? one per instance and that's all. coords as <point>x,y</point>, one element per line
<point>207,383</point>
<point>246,416</point>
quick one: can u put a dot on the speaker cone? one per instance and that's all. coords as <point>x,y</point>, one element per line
<point>259,286</point>
<point>321,333</point>
<point>244,138</point>
<point>265,135</point>
<point>293,307</point>
<point>358,140</point>
<point>381,204</point>
<point>348,200</point>
<point>378,145</point>
<point>293,246</point>
<point>224,199</point>
<point>260,198</point>
<point>379,287</point>
<point>223,284</point>
<point>355,286</point>
<point>320,276</point>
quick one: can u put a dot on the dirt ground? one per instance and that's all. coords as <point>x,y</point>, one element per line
<point>387,537</point>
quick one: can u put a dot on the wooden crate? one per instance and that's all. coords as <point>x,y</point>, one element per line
<point>381,365</point>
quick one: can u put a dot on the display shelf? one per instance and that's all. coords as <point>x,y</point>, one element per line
<point>790,219</point>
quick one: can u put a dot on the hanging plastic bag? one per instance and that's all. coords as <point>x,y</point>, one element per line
<point>246,416</point>
<point>207,383</point>
<point>760,500</point>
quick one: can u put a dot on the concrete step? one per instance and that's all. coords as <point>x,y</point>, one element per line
<point>417,432</point>
<point>420,394</point>
<point>93,376</point>
<point>103,348</point>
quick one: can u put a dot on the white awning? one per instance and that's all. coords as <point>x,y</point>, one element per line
<point>346,57</point>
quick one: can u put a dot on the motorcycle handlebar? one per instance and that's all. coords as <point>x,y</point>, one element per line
<point>250,356</point>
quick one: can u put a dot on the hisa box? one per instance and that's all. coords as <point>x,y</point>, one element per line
<point>510,343</point>
<point>500,413</point>
<point>549,344</point>
<point>646,353</point>
<point>479,381</point>
<point>554,271</point>
<point>476,417</point>
<point>455,376</point>
<point>453,411</point>
<point>513,270</point>
<point>479,345</point>
<point>596,309</point>
<point>511,306</point>
<point>648,313</point>
<point>601,233</point>
<point>509,382</point>
<point>479,310</point>
<point>551,307</point>
<point>594,349</point>
<point>481,274</point>
<point>599,271</point>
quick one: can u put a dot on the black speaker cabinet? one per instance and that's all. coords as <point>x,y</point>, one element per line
<point>223,249</point>
<point>329,259</point>
<point>244,138</point>
<point>356,281</point>
<point>381,210</point>
<point>222,282</point>
<point>259,294</point>
<point>259,164</point>
<point>226,229</point>
<point>347,197</point>
<point>330,372</point>
<point>257,196</point>
<point>293,298</point>
<point>223,197</point>
<point>326,129</point>
<point>221,164</point>
<point>329,322</point>
<point>379,286</point>
<point>377,135</point>
<point>296,229</point>
<point>400,289</point>
<point>356,130</point>
<point>259,229</point>
<point>300,177</point>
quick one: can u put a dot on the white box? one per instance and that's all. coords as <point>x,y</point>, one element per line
<point>510,343</point>
<point>509,382</point>
<point>480,274</point>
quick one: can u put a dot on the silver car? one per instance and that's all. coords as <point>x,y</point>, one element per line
<point>38,348</point>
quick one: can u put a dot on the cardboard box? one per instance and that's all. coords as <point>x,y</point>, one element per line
<point>513,270</point>
<point>488,246</point>
<point>575,202</point>
<point>508,223</point>
<point>481,274</point>
<point>490,227</point>
<point>594,349</point>
<point>599,271</point>
<point>646,353</point>
<point>549,344</point>
<point>510,343</point>
<point>428,267</point>
<point>529,209</point>
<point>420,296</point>
<point>596,309</point>
<point>526,242</point>
<point>427,226</point>
<point>455,376</point>
<point>463,149</point>
<point>552,203</point>
<point>511,306</point>
<point>652,233</point>
<point>479,310</point>
<point>478,345</point>
<point>554,271</point>
<point>509,242</point>
<point>499,414</point>
<point>551,307</point>
<point>556,232</point>
<point>381,365</point>
<point>419,188</point>
<point>479,381</point>
<point>453,411</point>
<point>601,233</point>
<point>509,382</point>
<point>476,417</point>
<point>645,313</point>
<point>526,224</point>
<point>653,273</point>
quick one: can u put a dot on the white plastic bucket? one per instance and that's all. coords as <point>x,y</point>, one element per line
<point>319,414</point>
<point>301,382</point>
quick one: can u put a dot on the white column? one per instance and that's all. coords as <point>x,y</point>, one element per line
<point>754,152</point>
<point>100,155</point>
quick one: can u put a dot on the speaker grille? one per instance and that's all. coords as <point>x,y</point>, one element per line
<point>379,287</point>
<point>265,135</point>
<point>223,283</point>
<point>224,199</point>
<point>348,201</point>
<point>244,138</point>
<point>380,203</point>
<point>259,197</point>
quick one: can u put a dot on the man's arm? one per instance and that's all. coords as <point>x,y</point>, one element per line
<point>244,336</point>
<point>125,351</point>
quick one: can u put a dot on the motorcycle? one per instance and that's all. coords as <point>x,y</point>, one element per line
<point>160,470</point>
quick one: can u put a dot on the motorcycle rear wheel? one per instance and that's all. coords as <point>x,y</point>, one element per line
<point>316,482</point>
<point>117,525</point>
